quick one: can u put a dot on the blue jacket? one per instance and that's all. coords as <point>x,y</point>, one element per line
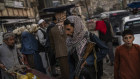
<point>101,50</point>
<point>90,59</point>
<point>100,47</point>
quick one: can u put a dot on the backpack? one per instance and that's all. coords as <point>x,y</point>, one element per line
<point>41,48</point>
<point>100,47</point>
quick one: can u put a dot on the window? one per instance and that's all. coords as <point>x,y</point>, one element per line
<point>116,19</point>
<point>134,26</point>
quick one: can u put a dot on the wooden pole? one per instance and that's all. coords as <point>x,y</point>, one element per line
<point>87,8</point>
<point>124,3</point>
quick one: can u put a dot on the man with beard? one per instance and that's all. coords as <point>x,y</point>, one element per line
<point>8,55</point>
<point>41,35</point>
<point>77,41</point>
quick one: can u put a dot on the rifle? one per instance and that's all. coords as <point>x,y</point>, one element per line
<point>88,50</point>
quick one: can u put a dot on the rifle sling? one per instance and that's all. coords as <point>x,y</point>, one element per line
<point>88,50</point>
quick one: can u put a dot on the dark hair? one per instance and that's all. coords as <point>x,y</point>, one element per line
<point>66,22</point>
<point>53,18</point>
<point>127,32</point>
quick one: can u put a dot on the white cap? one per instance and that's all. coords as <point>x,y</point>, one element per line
<point>40,21</point>
<point>103,16</point>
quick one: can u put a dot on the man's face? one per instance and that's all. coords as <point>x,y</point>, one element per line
<point>128,40</point>
<point>69,30</point>
<point>10,42</point>
<point>43,24</point>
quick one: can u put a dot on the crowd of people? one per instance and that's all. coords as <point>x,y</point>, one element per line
<point>68,43</point>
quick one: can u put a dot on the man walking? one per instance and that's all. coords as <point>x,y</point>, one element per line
<point>77,42</point>
<point>106,35</point>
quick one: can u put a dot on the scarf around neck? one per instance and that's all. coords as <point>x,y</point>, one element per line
<point>79,30</point>
<point>80,36</point>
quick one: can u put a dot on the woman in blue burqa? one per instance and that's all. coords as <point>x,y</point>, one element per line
<point>30,51</point>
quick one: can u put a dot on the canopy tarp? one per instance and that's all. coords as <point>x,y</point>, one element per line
<point>59,8</point>
<point>134,4</point>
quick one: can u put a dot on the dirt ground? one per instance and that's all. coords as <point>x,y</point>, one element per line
<point>108,72</point>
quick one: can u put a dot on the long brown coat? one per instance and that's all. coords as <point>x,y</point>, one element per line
<point>58,42</point>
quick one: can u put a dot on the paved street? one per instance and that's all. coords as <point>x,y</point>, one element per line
<point>108,71</point>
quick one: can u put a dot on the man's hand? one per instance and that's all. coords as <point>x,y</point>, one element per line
<point>2,66</point>
<point>13,74</point>
<point>24,60</point>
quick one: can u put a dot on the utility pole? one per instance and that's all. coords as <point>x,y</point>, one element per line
<point>87,8</point>
<point>62,2</point>
<point>124,3</point>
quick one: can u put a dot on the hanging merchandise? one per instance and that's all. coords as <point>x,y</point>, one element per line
<point>27,76</point>
<point>31,76</point>
<point>20,76</point>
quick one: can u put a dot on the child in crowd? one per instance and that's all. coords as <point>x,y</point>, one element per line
<point>127,58</point>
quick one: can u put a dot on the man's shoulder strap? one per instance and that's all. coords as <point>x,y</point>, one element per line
<point>89,48</point>
<point>42,30</point>
<point>44,33</point>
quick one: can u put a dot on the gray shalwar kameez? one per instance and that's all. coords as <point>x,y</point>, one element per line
<point>9,58</point>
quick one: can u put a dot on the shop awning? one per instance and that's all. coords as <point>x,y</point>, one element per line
<point>16,21</point>
<point>134,4</point>
<point>59,8</point>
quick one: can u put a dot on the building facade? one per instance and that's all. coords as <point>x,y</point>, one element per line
<point>17,13</point>
<point>18,8</point>
<point>88,7</point>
